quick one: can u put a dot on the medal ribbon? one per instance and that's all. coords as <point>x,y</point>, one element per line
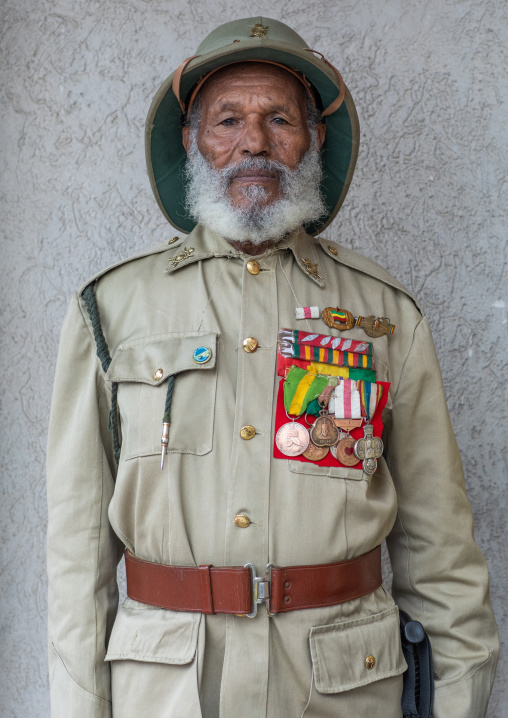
<point>355,399</point>
<point>301,387</point>
<point>331,356</point>
<point>294,336</point>
<point>342,371</point>
<point>327,356</point>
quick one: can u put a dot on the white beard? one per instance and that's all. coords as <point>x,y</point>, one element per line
<point>208,203</point>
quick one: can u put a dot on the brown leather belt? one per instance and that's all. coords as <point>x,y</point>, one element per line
<point>235,589</point>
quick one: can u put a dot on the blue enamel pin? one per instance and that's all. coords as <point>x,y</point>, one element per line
<point>202,354</point>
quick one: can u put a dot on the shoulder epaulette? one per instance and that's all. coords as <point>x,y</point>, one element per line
<point>173,243</point>
<point>359,262</point>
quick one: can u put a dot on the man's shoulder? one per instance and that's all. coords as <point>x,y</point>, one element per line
<point>360,263</point>
<point>131,263</point>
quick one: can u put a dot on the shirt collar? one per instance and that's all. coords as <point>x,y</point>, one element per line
<point>202,244</point>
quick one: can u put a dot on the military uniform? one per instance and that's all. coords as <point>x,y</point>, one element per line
<point>199,291</point>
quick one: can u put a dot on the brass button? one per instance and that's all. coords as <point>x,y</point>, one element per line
<point>250,345</point>
<point>370,662</point>
<point>332,250</point>
<point>247,432</point>
<point>158,375</point>
<point>242,521</point>
<point>253,266</point>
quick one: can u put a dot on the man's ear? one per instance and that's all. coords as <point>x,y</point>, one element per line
<point>186,138</point>
<point>321,133</point>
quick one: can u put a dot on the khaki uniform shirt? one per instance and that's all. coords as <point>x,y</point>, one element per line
<point>155,310</point>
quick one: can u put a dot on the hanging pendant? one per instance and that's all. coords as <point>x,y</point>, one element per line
<point>369,449</point>
<point>323,431</point>
<point>292,439</point>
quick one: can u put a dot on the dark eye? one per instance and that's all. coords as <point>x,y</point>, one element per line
<point>228,122</point>
<point>279,121</point>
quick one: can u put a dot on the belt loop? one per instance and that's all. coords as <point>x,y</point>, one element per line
<point>206,590</point>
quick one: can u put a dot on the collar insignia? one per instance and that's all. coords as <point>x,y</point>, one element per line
<point>185,254</point>
<point>258,31</point>
<point>312,269</point>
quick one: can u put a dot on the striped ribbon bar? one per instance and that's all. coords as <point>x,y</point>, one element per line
<point>294,336</point>
<point>330,356</point>
<point>355,399</point>
<point>300,388</point>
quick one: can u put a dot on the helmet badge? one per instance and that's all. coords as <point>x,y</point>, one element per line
<point>258,31</point>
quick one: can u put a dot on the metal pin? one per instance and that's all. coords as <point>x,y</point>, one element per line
<point>164,441</point>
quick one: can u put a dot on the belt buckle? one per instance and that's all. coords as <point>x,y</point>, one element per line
<point>260,587</point>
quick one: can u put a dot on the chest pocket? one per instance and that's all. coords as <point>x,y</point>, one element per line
<point>141,369</point>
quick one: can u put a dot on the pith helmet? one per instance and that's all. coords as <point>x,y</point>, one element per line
<point>254,38</point>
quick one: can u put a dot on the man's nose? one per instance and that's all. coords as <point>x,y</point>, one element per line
<point>255,139</point>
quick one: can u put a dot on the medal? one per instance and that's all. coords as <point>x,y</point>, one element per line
<point>369,449</point>
<point>292,439</point>
<point>323,431</point>
<point>315,453</point>
<point>344,451</point>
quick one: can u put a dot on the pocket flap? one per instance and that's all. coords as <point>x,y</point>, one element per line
<point>151,360</point>
<point>342,653</point>
<point>154,635</point>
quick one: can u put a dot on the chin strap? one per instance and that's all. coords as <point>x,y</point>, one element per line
<point>342,93</point>
<point>177,77</point>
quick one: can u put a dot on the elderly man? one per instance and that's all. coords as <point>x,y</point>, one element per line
<point>250,411</point>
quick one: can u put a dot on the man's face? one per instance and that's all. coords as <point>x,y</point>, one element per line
<point>253,110</point>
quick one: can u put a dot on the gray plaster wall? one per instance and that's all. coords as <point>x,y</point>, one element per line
<point>428,202</point>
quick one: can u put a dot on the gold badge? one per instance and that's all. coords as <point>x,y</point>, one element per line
<point>336,318</point>
<point>311,269</point>
<point>175,261</point>
<point>258,31</point>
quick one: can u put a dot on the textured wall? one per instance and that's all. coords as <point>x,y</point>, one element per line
<point>428,202</point>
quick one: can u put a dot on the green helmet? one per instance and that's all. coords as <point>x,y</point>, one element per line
<point>254,38</point>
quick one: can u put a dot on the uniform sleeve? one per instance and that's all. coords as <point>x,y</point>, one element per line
<point>439,573</point>
<point>82,550</point>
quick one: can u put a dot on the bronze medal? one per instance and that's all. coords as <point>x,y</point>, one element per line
<point>315,453</point>
<point>375,326</point>
<point>345,451</point>
<point>323,431</point>
<point>369,449</point>
<point>292,439</point>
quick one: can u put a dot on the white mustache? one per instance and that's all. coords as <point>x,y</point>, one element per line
<point>208,201</point>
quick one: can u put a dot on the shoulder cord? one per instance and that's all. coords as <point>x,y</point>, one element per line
<point>105,360</point>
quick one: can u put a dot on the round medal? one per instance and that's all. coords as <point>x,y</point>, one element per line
<point>344,451</point>
<point>323,431</point>
<point>292,439</point>
<point>315,453</point>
